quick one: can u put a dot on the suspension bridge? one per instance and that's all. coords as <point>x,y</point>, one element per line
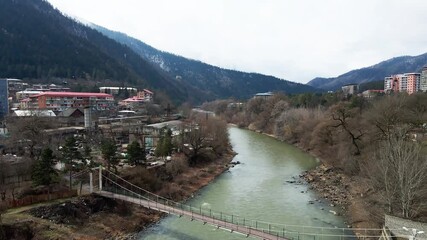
<point>113,186</point>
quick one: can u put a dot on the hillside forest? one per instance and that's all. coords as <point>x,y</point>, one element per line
<point>378,143</point>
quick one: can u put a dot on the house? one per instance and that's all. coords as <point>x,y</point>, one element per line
<point>132,102</point>
<point>72,112</point>
<point>146,94</point>
<point>71,117</point>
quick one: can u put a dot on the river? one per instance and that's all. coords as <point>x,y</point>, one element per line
<point>256,189</point>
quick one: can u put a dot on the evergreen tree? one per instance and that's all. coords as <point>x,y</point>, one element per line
<point>43,171</point>
<point>71,156</point>
<point>135,153</point>
<point>108,150</point>
<point>87,156</point>
<point>164,146</point>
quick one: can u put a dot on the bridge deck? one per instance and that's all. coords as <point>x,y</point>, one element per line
<point>249,231</point>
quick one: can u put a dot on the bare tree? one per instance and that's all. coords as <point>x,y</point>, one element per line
<point>386,114</point>
<point>400,172</point>
<point>28,132</point>
<point>205,134</point>
<point>344,118</point>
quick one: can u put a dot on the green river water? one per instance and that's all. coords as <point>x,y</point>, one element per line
<point>255,189</point>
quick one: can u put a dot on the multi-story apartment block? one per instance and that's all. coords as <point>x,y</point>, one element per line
<point>388,83</point>
<point>407,82</point>
<point>60,101</point>
<point>423,79</point>
<point>413,82</point>
<point>350,89</point>
<point>403,82</point>
<point>4,98</point>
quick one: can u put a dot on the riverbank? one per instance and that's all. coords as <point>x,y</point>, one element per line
<point>94,217</point>
<point>351,194</point>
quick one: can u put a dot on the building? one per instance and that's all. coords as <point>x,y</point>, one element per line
<point>60,101</point>
<point>423,79</point>
<point>407,82</point>
<point>388,84</point>
<point>350,89</point>
<point>4,98</point>
<point>265,95</point>
<point>372,93</point>
<point>48,88</point>
<point>146,94</point>
<point>132,102</point>
<point>26,94</point>
<point>117,90</point>
<point>33,113</point>
<point>412,82</point>
<point>153,131</point>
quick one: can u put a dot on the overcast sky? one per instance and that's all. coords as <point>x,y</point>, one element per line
<point>295,40</point>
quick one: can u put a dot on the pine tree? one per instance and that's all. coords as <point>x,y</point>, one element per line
<point>135,153</point>
<point>43,171</point>
<point>164,146</point>
<point>108,150</point>
<point>71,156</point>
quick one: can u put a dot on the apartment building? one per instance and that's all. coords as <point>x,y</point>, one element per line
<point>60,101</point>
<point>407,82</point>
<point>423,79</point>
<point>412,82</point>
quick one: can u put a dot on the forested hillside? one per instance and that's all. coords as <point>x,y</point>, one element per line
<point>38,42</point>
<point>215,82</point>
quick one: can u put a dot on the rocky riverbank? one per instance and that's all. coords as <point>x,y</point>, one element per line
<point>352,194</point>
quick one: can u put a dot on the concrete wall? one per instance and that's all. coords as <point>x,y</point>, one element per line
<point>396,225</point>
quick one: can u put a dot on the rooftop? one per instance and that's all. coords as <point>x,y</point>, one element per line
<point>165,124</point>
<point>264,94</point>
<point>34,113</point>
<point>134,99</point>
<point>72,94</point>
<point>148,91</point>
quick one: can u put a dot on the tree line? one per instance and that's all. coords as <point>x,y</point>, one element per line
<point>382,140</point>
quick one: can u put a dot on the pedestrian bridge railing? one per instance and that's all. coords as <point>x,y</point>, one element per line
<point>113,186</point>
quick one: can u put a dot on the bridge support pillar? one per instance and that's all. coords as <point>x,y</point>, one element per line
<point>100,178</point>
<point>90,182</point>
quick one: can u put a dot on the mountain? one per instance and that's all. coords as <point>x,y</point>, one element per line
<point>215,82</point>
<point>376,72</point>
<point>38,42</point>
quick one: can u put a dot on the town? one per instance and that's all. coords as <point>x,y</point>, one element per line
<point>97,129</point>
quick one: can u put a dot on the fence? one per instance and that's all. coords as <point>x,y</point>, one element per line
<point>32,199</point>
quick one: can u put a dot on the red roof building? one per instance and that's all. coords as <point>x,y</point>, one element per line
<point>60,101</point>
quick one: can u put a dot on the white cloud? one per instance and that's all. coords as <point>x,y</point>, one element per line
<point>290,39</point>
